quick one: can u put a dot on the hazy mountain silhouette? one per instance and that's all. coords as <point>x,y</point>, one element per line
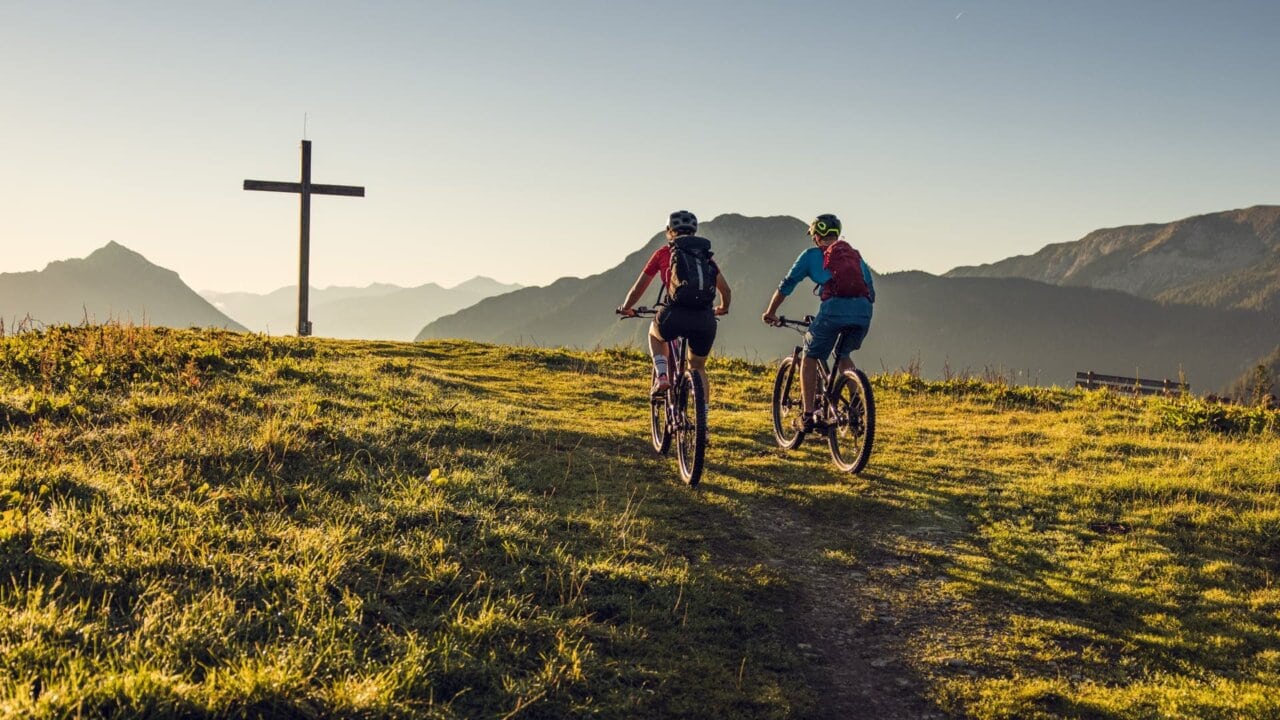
<point>1040,332</point>
<point>277,311</point>
<point>484,287</point>
<point>1226,260</point>
<point>112,283</point>
<point>1046,332</point>
<point>752,253</point>
<point>375,312</point>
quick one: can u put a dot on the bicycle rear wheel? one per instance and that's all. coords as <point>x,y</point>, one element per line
<point>690,417</point>
<point>787,406</point>
<point>659,430</point>
<point>854,428</point>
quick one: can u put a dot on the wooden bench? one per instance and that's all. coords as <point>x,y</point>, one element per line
<point>1134,386</point>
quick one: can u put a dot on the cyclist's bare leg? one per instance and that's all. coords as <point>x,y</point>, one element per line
<point>845,364</point>
<point>699,363</point>
<point>808,382</point>
<point>658,345</point>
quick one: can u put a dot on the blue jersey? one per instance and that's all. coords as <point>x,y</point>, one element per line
<point>838,310</point>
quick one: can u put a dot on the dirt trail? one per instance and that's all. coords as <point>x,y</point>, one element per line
<point>844,622</point>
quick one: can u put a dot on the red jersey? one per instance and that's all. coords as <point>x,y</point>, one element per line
<point>660,262</point>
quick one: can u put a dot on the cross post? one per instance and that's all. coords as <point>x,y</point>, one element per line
<point>305,189</point>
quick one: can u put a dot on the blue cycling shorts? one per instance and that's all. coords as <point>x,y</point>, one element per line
<point>821,338</point>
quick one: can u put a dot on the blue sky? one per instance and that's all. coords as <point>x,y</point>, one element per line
<point>531,140</point>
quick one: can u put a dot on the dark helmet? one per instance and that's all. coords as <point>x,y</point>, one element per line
<point>683,222</point>
<point>824,225</point>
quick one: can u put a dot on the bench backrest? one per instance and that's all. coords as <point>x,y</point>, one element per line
<point>1134,386</point>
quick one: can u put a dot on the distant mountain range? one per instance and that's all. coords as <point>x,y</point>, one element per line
<point>1039,332</point>
<point>378,311</point>
<point>1223,260</point>
<point>1201,299</point>
<point>112,283</point>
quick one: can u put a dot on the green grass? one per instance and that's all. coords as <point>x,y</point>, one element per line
<point>204,523</point>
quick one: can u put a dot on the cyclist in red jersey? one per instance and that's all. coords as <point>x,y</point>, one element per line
<point>697,325</point>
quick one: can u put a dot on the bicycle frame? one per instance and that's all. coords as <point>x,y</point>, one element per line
<point>675,358</point>
<point>826,378</point>
<point>680,424</point>
<point>848,423</point>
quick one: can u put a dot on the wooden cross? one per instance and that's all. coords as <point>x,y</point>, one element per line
<point>306,189</point>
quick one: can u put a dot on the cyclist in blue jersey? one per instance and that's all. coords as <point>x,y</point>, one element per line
<point>847,297</point>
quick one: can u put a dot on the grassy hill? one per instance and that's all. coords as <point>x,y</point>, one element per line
<point>201,523</point>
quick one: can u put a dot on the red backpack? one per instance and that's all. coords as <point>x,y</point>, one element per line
<point>845,265</point>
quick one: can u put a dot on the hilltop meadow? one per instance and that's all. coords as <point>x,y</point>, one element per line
<point>207,523</point>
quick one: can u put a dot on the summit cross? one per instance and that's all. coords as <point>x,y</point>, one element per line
<point>306,189</point>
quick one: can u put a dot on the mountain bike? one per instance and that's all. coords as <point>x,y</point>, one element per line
<point>670,416</point>
<point>845,409</point>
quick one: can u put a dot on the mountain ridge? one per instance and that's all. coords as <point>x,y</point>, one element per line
<point>1228,259</point>
<point>942,323</point>
<point>376,311</point>
<point>111,283</point>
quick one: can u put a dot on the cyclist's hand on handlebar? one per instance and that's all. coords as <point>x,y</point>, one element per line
<point>626,312</point>
<point>769,319</point>
<point>722,310</point>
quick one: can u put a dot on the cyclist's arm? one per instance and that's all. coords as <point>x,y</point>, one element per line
<point>637,290</point>
<point>775,302</point>
<point>726,296</point>
<point>799,271</point>
<point>809,262</point>
<point>866,275</point>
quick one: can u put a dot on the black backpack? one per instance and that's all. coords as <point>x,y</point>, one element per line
<point>693,276</point>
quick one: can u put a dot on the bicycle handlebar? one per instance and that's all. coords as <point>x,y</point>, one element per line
<point>783,322</point>
<point>639,312</point>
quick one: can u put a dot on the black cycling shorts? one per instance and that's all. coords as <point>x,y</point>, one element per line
<point>697,327</point>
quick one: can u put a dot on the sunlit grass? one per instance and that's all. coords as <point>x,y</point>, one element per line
<point>200,523</point>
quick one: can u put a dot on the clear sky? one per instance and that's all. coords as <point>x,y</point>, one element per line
<point>527,140</point>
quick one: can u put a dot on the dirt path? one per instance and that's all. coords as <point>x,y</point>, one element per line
<point>846,622</point>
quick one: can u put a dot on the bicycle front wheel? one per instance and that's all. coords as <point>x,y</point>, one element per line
<point>787,407</point>
<point>690,418</point>
<point>854,427</point>
<point>659,429</point>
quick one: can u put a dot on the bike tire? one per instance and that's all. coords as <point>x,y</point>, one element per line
<point>659,428</point>
<point>691,429</point>
<point>787,405</point>
<point>853,434</point>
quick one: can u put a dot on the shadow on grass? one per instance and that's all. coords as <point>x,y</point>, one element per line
<point>589,543</point>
